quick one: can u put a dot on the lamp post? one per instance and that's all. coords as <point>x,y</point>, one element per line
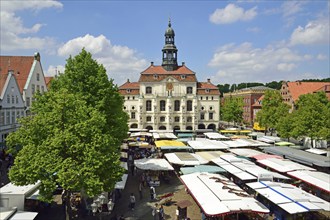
<point>97,205</point>
<point>110,206</point>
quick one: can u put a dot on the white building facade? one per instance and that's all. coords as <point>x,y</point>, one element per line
<point>20,78</point>
<point>169,97</point>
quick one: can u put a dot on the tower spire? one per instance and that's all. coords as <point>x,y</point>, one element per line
<point>169,50</point>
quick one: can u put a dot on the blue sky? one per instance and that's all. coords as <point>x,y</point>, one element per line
<point>226,41</point>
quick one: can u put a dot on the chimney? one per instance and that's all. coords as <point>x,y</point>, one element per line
<point>183,63</point>
<point>127,80</point>
<point>152,63</point>
<point>208,80</point>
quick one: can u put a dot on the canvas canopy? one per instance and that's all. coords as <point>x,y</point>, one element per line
<point>209,155</point>
<point>283,165</point>
<point>171,144</point>
<point>206,144</point>
<point>217,195</point>
<point>121,184</point>
<point>290,198</point>
<point>185,159</point>
<point>153,164</point>
<point>319,179</point>
<point>215,136</point>
<point>201,169</point>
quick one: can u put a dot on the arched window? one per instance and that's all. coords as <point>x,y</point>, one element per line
<point>177,105</point>
<point>162,128</point>
<point>189,105</point>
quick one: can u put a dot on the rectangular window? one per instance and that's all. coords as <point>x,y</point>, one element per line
<point>177,119</point>
<point>148,90</point>
<point>38,76</point>
<point>28,102</point>
<point>148,118</point>
<point>162,119</point>
<point>202,116</point>
<point>177,105</point>
<point>13,117</point>
<point>8,98</point>
<point>132,115</point>
<point>148,105</point>
<point>17,99</point>
<point>162,105</point>
<point>189,119</point>
<point>210,116</point>
<point>38,88</point>
<point>33,88</point>
<point>189,105</point>
<point>2,118</point>
<point>189,90</point>
<point>12,99</point>
<point>42,89</point>
<point>17,114</point>
<point>7,118</point>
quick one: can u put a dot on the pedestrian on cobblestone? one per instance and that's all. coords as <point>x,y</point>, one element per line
<point>154,211</point>
<point>152,193</point>
<point>140,190</point>
<point>132,201</point>
<point>161,213</point>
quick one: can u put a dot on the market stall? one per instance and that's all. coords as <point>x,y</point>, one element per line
<point>185,159</point>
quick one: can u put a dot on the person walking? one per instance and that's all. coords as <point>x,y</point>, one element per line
<point>161,213</point>
<point>132,201</point>
<point>154,211</point>
<point>152,193</point>
<point>140,190</point>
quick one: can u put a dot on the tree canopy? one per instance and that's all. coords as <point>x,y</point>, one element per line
<point>273,108</point>
<point>311,117</point>
<point>73,135</point>
<point>232,110</point>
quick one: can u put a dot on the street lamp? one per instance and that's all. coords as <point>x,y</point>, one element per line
<point>97,205</point>
<point>110,206</point>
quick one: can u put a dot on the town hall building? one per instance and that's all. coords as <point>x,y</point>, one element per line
<point>169,97</point>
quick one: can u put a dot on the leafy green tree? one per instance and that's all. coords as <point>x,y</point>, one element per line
<point>285,125</point>
<point>274,85</point>
<point>223,89</point>
<point>312,117</point>
<point>74,133</point>
<point>273,108</point>
<point>232,110</point>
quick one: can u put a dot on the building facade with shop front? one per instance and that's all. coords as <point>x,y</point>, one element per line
<point>169,97</point>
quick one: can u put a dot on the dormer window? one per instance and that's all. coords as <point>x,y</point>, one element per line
<point>207,90</point>
<point>183,76</point>
<point>128,90</point>
<point>155,76</point>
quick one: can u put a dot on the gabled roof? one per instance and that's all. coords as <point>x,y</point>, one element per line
<point>21,65</point>
<point>129,88</point>
<point>158,73</point>
<point>258,103</point>
<point>297,89</point>
<point>3,79</point>
<point>207,88</point>
<point>48,79</point>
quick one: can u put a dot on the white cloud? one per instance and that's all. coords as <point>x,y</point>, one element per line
<point>121,62</point>
<point>244,63</point>
<point>232,13</point>
<point>12,27</point>
<point>315,32</point>
<point>54,70</point>
<point>321,57</point>
<point>253,29</point>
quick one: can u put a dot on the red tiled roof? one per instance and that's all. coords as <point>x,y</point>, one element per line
<point>48,79</point>
<point>258,103</point>
<point>148,75</point>
<point>203,86</point>
<point>152,69</point>
<point>3,78</point>
<point>132,87</point>
<point>21,65</point>
<point>297,89</point>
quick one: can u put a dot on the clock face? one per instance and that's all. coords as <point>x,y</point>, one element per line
<point>169,86</point>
